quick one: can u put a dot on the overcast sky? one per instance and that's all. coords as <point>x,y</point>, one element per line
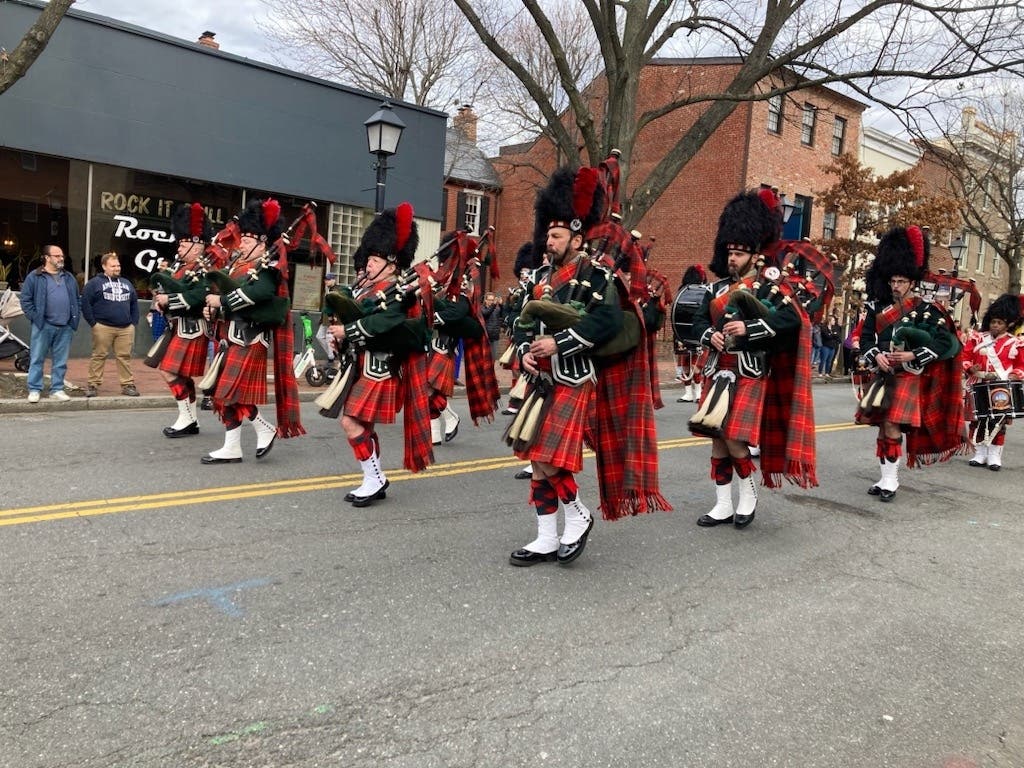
<point>234,21</point>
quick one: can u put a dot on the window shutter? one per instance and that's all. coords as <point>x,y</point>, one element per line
<point>460,212</point>
<point>485,209</point>
<point>444,210</point>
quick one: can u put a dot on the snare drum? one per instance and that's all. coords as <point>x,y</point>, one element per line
<point>993,399</point>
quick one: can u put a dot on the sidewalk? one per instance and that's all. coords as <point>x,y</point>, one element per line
<point>154,393</point>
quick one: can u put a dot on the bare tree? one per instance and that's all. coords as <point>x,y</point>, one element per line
<point>982,151</point>
<point>14,65</point>
<point>887,51</point>
<point>412,50</point>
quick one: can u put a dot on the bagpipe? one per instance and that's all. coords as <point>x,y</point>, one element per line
<point>272,314</point>
<point>558,316</point>
<point>743,303</point>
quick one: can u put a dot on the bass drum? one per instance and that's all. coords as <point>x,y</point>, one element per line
<point>684,309</point>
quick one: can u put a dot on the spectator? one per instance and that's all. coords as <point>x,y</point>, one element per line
<point>830,340</point>
<point>815,346</point>
<point>49,299</point>
<point>492,311</point>
<point>111,306</point>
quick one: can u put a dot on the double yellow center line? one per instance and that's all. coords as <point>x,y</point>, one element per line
<point>182,498</point>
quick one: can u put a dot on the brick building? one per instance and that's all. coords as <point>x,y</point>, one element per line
<point>782,143</point>
<point>471,185</point>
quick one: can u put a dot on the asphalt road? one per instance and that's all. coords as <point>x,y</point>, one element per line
<point>161,613</point>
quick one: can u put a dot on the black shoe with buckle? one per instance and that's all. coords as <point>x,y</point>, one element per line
<point>191,429</point>
<point>364,501</point>
<point>525,558</point>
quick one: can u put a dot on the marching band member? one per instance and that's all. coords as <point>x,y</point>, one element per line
<point>389,374</point>
<point>994,354</point>
<point>185,351</point>
<point>911,347</point>
<point>689,353</point>
<point>562,372</point>
<point>757,375</point>
<point>254,301</point>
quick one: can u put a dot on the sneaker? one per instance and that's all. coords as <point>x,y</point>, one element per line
<point>33,397</point>
<point>91,391</point>
<point>130,391</point>
<point>60,396</point>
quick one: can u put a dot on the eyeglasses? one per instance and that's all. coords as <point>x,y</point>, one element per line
<point>899,281</point>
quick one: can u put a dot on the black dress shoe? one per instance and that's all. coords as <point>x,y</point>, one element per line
<point>509,411</point>
<point>874,490</point>
<point>569,552</point>
<point>707,521</point>
<point>995,467</point>
<point>191,429</point>
<point>449,436</point>
<point>523,474</point>
<point>261,452</point>
<point>215,460</point>
<point>742,521</point>
<point>365,501</point>
<point>884,495</point>
<point>206,404</point>
<point>524,557</point>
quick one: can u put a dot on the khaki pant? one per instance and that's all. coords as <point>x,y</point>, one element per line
<point>105,337</point>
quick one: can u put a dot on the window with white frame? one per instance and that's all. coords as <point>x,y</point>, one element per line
<point>471,222</point>
<point>807,122</point>
<point>775,114</point>
<point>838,136</point>
<point>981,255</point>
<point>996,264</point>
<point>829,225</point>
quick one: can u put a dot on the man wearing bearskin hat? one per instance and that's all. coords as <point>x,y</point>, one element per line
<point>757,375</point>
<point>388,375</point>
<point>911,347</point>
<point>559,364</point>
<point>188,331</point>
<point>993,355</point>
<point>253,299</point>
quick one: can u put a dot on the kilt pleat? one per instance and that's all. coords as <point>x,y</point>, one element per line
<point>243,379</point>
<point>441,373</point>
<point>373,402</point>
<point>185,357</point>
<point>905,408</point>
<point>560,438</point>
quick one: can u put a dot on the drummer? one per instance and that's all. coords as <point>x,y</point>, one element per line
<point>993,357</point>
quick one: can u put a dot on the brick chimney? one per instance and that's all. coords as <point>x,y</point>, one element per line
<point>465,121</point>
<point>207,39</point>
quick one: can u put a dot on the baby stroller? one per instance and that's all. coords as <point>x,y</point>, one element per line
<point>10,344</point>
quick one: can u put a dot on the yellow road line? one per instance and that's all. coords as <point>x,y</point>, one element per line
<point>183,498</point>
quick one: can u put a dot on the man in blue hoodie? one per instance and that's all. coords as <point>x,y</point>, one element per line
<point>111,306</point>
<point>49,299</point>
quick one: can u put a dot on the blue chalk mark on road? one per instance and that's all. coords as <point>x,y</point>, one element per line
<point>218,597</point>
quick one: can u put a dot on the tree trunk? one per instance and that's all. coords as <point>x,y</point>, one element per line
<point>18,61</point>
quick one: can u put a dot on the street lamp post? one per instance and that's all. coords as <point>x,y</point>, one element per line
<point>957,249</point>
<point>383,132</point>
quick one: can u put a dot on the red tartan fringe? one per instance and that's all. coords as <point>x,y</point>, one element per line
<point>796,472</point>
<point>634,504</point>
<point>927,459</point>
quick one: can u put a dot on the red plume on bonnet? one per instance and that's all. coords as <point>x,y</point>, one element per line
<point>583,191</point>
<point>271,213</point>
<point>403,225</point>
<point>769,198</point>
<point>916,238</point>
<point>197,218</point>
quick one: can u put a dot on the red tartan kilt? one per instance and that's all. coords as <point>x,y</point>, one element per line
<point>185,357</point>
<point>243,379</point>
<point>373,402</point>
<point>743,423</point>
<point>560,441</point>
<point>905,408</point>
<point>441,373</point>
